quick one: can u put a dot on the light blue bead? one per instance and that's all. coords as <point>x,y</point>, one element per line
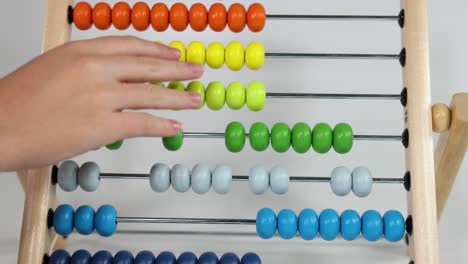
<point>259,179</point>
<point>251,258</point>
<point>187,258</point>
<point>145,257</point>
<point>81,257</point>
<point>88,176</point>
<point>160,177</point>
<point>341,181</point>
<point>208,258</point>
<point>394,226</point>
<point>287,224</point>
<point>201,178</point>
<point>229,258</point>
<point>102,257</point>
<point>123,257</point>
<point>329,224</point>
<point>84,220</point>
<point>350,225</point>
<point>266,223</point>
<point>221,179</point>
<point>308,224</point>
<point>180,178</point>
<point>59,257</point>
<point>279,180</point>
<point>372,225</point>
<point>166,257</point>
<point>63,219</point>
<point>105,220</point>
<point>67,176</point>
<point>362,181</point>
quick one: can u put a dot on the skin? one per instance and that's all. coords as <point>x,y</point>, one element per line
<point>70,100</point>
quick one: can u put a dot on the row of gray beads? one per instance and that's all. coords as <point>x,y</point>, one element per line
<point>70,176</point>
<point>343,181</point>
<point>201,179</point>
<point>277,179</point>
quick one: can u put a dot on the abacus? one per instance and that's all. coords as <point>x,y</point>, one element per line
<point>47,223</point>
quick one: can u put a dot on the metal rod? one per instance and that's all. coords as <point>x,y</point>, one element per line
<point>332,56</point>
<point>171,220</point>
<point>332,17</point>
<point>334,96</point>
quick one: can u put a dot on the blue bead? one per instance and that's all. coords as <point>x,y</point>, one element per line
<point>104,220</point>
<point>287,224</point>
<point>81,257</point>
<point>187,258</point>
<point>251,258</point>
<point>229,258</point>
<point>394,226</point>
<point>63,219</point>
<point>329,224</point>
<point>145,257</point>
<point>350,225</point>
<point>208,258</point>
<point>166,257</point>
<point>59,257</point>
<point>372,225</point>
<point>123,257</point>
<point>266,223</point>
<point>84,220</point>
<point>308,224</point>
<point>102,257</point>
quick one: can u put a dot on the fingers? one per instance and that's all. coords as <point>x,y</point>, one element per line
<point>138,124</point>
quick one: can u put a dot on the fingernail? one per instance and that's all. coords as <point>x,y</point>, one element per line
<point>176,125</point>
<point>196,98</point>
<point>175,53</point>
<point>196,68</point>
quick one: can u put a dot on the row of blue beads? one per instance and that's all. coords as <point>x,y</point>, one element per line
<point>329,224</point>
<point>147,257</point>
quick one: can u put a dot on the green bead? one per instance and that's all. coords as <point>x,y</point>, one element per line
<point>235,95</point>
<point>158,84</point>
<point>176,86</point>
<point>215,95</point>
<point>259,136</point>
<point>116,145</point>
<point>343,138</point>
<point>175,142</point>
<point>280,137</point>
<point>235,137</point>
<point>322,138</point>
<point>199,88</point>
<point>301,137</point>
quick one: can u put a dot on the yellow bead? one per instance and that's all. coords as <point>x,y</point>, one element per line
<point>215,55</point>
<point>256,96</point>
<point>180,46</point>
<point>235,55</point>
<point>176,85</point>
<point>197,87</point>
<point>441,118</point>
<point>196,52</point>
<point>255,55</point>
<point>235,95</point>
<point>215,95</point>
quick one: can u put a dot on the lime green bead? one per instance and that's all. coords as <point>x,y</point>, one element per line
<point>235,95</point>
<point>199,88</point>
<point>301,137</point>
<point>215,95</point>
<point>343,138</point>
<point>235,137</point>
<point>115,146</point>
<point>259,136</point>
<point>235,55</point>
<point>160,84</point>
<point>175,142</point>
<point>176,85</point>
<point>280,137</point>
<point>181,47</point>
<point>255,55</point>
<point>196,52</point>
<point>322,138</point>
<point>256,96</point>
<point>215,55</point>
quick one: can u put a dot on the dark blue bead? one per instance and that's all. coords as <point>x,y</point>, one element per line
<point>84,220</point>
<point>59,257</point>
<point>104,220</point>
<point>144,257</point>
<point>63,219</point>
<point>81,257</point>
<point>166,257</point>
<point>187,258</point>
<point>251,258</point>
<point>102,257</point>
<point>229,258</point>
<point>208,258</point>
<point>123,257</point>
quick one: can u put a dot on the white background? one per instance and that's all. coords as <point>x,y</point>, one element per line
<point>21,28</point>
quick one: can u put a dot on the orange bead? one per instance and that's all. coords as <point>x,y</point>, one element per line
<point>256,17</point>
<point>217,17</point>
<point>140,16</point>
<point>82,16</point>
<point>237,17</point>
<point>121,15</point>
<point>198,17</point>
<point>179,17</point>
<point>102,16</point>
<point>160,17</point>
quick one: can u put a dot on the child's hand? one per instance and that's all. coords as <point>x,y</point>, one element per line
<point>70,100</point>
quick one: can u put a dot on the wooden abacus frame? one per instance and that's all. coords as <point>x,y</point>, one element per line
<point>37,239</point>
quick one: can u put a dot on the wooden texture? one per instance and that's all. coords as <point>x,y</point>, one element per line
<point>441,118</point>
<point>451,149</point>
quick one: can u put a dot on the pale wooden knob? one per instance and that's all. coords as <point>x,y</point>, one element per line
<point>441,117</point>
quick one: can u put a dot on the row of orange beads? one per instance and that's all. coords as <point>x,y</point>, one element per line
<point>178,17</point>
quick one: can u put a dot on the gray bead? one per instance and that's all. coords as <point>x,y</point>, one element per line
<point>362,181</point>
<point>201,178</point>
<point>222,179</point>
<point>160,177</point>
<point>67,176</point>
<point>279,180</point>
<point>341,181</point>
<point>88,176</point>
<point>259,179</point>
<point>180,178</point>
